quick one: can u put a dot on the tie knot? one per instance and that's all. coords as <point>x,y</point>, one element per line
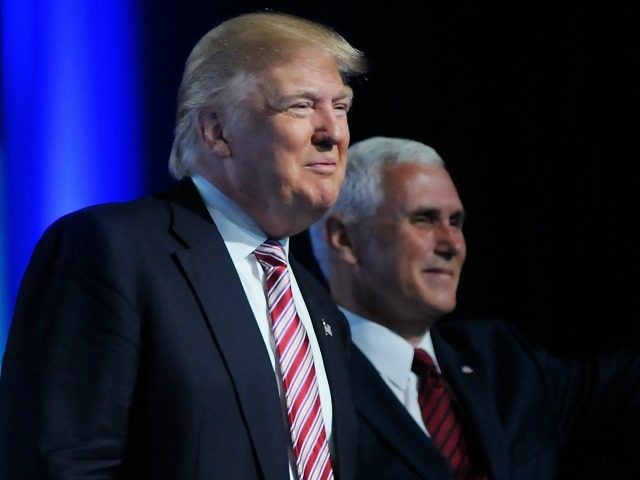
<point>424,367</point>
<point>271,254</point>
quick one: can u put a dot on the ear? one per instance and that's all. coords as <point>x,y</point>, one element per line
<point>211,133</point>
<point>340,239</point>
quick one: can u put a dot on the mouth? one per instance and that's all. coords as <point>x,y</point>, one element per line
<point>440,272</point>
<point>322,167</point>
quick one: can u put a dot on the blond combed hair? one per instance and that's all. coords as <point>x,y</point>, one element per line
<point>225,61</point>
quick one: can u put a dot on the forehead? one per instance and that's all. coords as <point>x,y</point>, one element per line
<point>307,69</point>
<point>411,186</point>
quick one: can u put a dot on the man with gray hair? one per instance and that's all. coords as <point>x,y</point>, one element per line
<point>442,399</point>
<point>171,337</point>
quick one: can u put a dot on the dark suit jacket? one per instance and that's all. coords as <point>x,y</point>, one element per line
<point>520,407</point>
<point>133,353</point>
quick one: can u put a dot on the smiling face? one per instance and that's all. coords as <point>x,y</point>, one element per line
<point>411,252</point>
<point>288,147</point>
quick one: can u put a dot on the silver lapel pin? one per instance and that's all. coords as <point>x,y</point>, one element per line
<point>327,328</point>
<point>467,369</point>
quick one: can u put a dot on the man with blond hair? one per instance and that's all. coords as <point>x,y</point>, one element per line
<point>170,337</point>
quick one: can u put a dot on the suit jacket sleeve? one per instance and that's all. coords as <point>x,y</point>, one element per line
<point>598,407</point>
<point>70,365</point>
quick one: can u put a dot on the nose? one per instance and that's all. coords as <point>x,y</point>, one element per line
<point>449,240</point>
<point>330,127</point>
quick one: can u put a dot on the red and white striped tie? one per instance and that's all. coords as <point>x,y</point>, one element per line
<point>296,364</point>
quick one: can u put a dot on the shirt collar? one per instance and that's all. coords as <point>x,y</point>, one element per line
<point>379,344</point>
<point>241,234</point>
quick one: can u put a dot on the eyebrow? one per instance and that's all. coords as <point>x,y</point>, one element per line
<point>345,94</point>
<point>431,211</point>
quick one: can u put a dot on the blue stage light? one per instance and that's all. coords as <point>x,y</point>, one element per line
<point>71,117</point>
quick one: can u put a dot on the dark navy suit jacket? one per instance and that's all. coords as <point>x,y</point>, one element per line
<point>520,407</point>
<point>134,353</point>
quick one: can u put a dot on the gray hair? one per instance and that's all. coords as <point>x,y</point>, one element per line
<point>361,193</point>
<point>227,60</point>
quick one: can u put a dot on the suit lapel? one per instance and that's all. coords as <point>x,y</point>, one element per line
<point>212,275</point>
<point>379,407</point>
<point>473,390</point>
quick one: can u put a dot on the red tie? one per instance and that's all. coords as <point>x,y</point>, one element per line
<point>440,417</point>
<point>296,364</point>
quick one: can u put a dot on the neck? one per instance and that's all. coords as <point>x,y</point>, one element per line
<point>412,324</point>
<point>412,330</point>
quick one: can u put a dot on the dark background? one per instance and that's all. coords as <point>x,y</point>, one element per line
<point>535,110</point>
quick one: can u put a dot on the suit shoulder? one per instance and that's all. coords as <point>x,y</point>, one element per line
<point>475,325</point>
<point>117,213</point>
<point>115,223</point>
<point>103,233</point>
<point>479,332</point>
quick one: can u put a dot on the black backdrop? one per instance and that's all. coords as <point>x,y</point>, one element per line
<point>535,110</point>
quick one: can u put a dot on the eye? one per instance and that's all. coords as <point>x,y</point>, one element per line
<point>457,221</point>
<point>301,106</point>
<point>342,107</point>
<point>300,109</point>
<point>424,218</point>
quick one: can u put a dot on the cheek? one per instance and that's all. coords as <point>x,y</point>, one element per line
<point>400,267</point>
<point>412,253</point>
<point>462,256</point>
<point>287,152</point>
<point>377,259</point>
<point>291,133</point>
<point>346,138</point>
<point>415,245</point>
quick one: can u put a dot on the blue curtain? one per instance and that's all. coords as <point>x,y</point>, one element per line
<point>71,120</point>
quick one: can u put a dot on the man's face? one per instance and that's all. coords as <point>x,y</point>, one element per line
<point>289,147</point>
<point>412,250</point>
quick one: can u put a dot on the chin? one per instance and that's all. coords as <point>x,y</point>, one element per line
<point>317,211</point>
<point>448,308</point>
<point>444,306</point>
<point>325,201</point>
<point>328,189</point>
<point>310,211</point>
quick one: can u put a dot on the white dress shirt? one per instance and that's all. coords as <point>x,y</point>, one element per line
<point>242,236</point>
<point>392,357</point>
